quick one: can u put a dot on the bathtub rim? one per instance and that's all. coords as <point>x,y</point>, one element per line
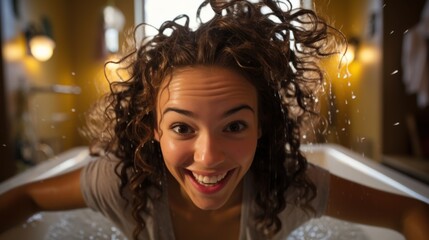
<point>64,162</point>
<point>78,156</point>
<point>401,182</point>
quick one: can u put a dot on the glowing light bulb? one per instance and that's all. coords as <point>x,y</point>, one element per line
<point>42,47</point>
<point>350,54</point>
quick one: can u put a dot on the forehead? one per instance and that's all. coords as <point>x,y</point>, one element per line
<point>206,83</point>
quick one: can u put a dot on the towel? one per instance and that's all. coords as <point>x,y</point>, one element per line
<point>415,61</point>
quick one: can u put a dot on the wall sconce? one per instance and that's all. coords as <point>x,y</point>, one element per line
<point>40,42</point>
<point>14,49</point>
<point>352,50</point>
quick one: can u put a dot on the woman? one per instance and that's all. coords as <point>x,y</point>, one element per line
<point>202,140</point>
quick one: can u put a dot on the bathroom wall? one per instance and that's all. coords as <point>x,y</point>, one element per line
<point>374,123</point>
<point>76,27</point>
<point>356,88</point>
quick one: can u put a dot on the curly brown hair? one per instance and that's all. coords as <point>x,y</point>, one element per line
<point>275,47</point>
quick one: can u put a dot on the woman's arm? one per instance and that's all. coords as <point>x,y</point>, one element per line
<point>57,193</point>
<point>357,203</point>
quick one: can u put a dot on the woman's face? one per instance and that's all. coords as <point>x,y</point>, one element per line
<point>208,131</point>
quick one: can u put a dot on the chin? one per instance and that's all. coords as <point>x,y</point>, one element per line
<point>209,206</point>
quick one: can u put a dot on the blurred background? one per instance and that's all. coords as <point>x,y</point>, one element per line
<point>53,53</point>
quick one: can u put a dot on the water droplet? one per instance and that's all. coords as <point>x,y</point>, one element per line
<point>73,73</point>
<point>4,145</point>
<point>396,124</point>
<point>406,31</point>
<point>63,137</point>
<point>52,126</point>
<point>391,32</point>
<point>73,110</point>
<point>353,96</point>
<point>394,72</point>
<point>349,84</point>
<point>343,129</point>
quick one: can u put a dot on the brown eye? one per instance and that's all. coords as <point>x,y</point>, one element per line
<point>236,127</point>
<point>182,129</point>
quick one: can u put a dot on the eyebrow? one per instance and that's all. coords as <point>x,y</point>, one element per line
<point>180,111</point>
<point>226,114</point>
<point>237,109</point>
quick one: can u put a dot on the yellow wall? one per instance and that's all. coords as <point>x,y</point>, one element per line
<point>76,27</point>
<point>357,97</point>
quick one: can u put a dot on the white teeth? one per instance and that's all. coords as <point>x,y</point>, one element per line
<point>208,179</point>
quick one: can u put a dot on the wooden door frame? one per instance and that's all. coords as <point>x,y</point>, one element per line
<point>8,166</point>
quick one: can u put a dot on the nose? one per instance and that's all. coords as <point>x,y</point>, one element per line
<point>209,150</point>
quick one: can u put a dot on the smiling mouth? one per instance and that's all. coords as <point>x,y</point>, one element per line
<point>209,180</point>
<point>209,184</point>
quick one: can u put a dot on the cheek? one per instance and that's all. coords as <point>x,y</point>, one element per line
<point>174,153</point>
<point>243,152</point>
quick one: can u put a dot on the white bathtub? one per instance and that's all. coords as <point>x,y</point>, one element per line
<point>86,224</point>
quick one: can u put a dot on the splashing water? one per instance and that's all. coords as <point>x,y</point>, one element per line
<point>33,220</point>
<point>329,229</point>
<point>83,224</point>
<point>394,72</point>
